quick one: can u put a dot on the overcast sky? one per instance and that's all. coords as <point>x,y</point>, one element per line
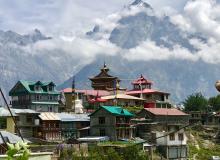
<point>61,16</point>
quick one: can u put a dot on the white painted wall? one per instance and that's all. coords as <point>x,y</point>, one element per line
<point>166,140</point>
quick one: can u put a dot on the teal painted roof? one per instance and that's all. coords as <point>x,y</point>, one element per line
<point>118,111</point>
<point>29,87</point>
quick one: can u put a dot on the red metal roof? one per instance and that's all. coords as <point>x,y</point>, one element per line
<point>166,111</point>
<point>88,92</point>
<point>144,91</point>
<point>141,80</point>
<point>94,100</point>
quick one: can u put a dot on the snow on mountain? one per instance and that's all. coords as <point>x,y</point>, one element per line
<point>156,47</point>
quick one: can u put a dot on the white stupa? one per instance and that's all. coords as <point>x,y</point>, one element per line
<point>78,106</point>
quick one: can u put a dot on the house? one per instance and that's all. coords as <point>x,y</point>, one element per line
<point>49,128</point>
<point>165,128</point>
<point>142,88</point>
<point>6,121</point>
<point>172,144</point>
<point>38,96</point>
<point>27,121</point>
<point>164,116</point>
<point>111,121</point>
<point>200,117</point>
<point>104,81</point>
<point>70,124</point>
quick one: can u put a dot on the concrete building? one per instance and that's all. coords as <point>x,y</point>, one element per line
<point>27,121</point>
<point>164,128</point>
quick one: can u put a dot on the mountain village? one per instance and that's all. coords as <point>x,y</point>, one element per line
<point>156,98</point>
<point>106,115</point>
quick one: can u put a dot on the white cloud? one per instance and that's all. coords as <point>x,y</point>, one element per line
<point>79,48</point>
<point>148,50</point>
<point>201,16</point>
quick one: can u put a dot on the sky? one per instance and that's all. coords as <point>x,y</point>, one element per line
<point>70,19</point>
<point>65,16</point>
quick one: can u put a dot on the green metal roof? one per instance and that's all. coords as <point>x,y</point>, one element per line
<point>29,87</point>
<point>118,111</point>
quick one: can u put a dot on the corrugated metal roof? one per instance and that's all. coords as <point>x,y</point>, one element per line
<point>49,116</point>
<point>4,112</point>
<point>145,91</point>
<point>45,103</point>
<point>88,92</point>
<point>24,111</point>
<point>166,111</point>
<point>11,137</point>
<point>122,96</point>
<point>73,117</point>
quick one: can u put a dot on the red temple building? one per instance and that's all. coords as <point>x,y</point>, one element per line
<point>142,88</point>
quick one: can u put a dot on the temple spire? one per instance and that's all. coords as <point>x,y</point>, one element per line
<point>105,68</point>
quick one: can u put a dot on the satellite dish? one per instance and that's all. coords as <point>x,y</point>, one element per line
<point>217,85</point>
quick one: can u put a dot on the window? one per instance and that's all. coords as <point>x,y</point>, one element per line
<point>102,132</point>
<point>3,123</point>
<point>37,97</point>
<point>50,97</point>
<point>50,88</point>
<point>37,88</point>
<point>172,137</point>
<point>50,109</point>
<point>101,120</point>
<point>28,118</point>
<point>180,136</point>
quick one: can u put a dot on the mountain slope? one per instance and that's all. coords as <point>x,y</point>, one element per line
<point>180,77</point>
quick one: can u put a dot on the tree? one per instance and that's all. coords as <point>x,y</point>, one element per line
<point>215,103</point>
<point>195,102</point>
<point>134,153</point>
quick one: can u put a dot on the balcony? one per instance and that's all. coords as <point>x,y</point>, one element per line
<point>123,125</point>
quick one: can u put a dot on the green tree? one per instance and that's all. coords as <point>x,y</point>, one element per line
<point>196,102</point>
<point>112,154</point>
<point>134,153</point>
<point>215,103</point>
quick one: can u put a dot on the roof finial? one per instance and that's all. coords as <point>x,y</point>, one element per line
<point>104,64</point>
<point>141,76</point>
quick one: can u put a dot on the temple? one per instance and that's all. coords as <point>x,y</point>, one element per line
<point>104,81</point>
<point>142,88</point>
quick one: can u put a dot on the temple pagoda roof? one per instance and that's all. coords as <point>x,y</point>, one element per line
<point>103,74</point>
<point>142,80</point>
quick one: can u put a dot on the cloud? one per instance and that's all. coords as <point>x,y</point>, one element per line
<point>148,50</point>
<point>201,16</point>
<point>77,47</point>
